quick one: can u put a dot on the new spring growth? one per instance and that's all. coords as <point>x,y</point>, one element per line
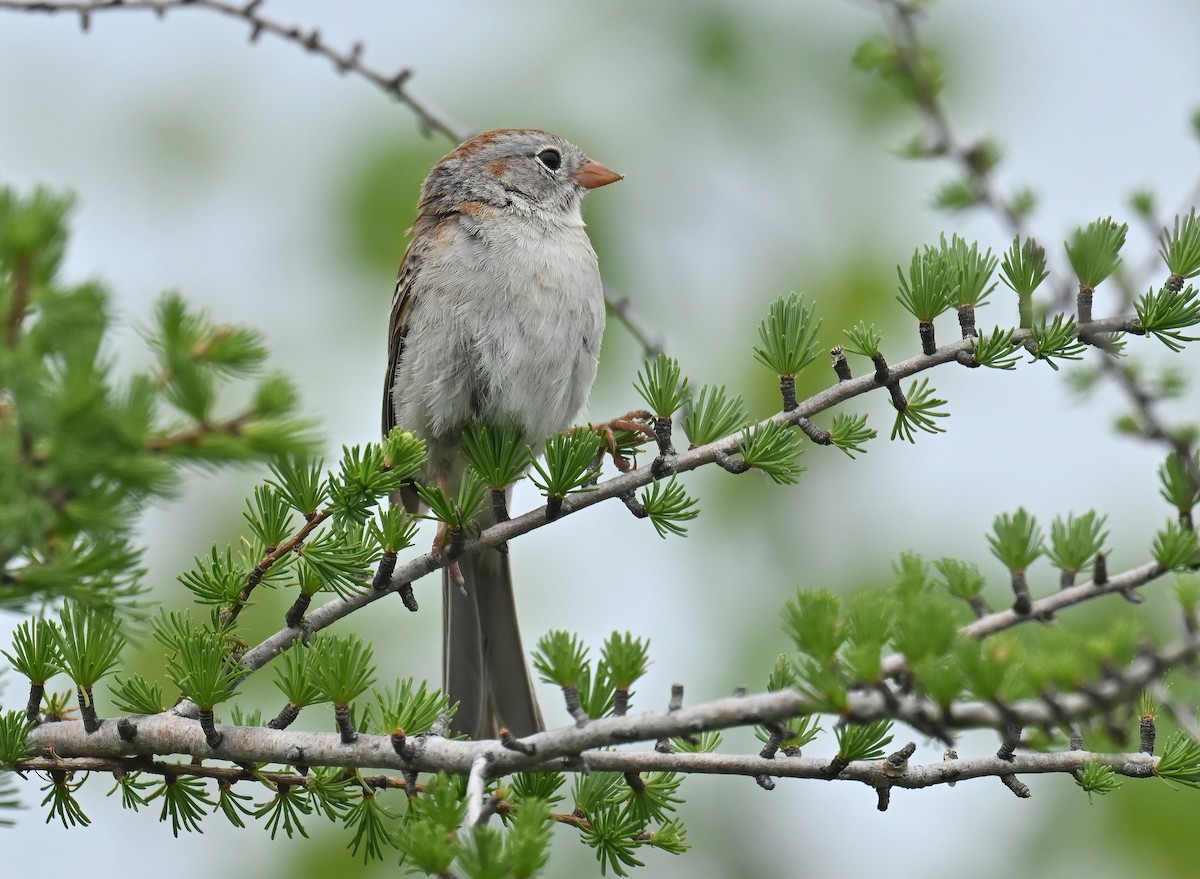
<point>788,337</point>
<point>1094,253</point>
<point>1023,269</point>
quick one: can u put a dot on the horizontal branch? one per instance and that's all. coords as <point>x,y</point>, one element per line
<point>164,768</point>
<point>173,733</point>
<point>875,773</point>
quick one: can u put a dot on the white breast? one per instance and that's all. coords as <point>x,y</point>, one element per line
<point>506,326</point>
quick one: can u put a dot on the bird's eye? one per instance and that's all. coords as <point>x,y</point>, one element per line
<point>551,158</point>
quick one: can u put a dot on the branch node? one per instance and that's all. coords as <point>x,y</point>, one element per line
<point>286,716</point>
<point>882,376</point>
<point>1147,733</point>
<point>1017,786</point>
<point>514,744</point>
<point>978,606</point>
<point>400,744</point>
<point>663,745</point>
<point>896,763</point>
<point>1083,307</point>
<point>948,755</point>
<point>212,737</point>
<point>928,341</point>
<point>396,83</point>
<point>33,706</point>
<point>1012,738</point>
<point>835,767</point>
<point>383,576</point>
<point>87,710</point>
<point>456,544</point>
<point>787,389</point>
<point>294,618</point>
<point>633,504</point>
<point>574,705</point>
<point>499,505</point>
<point>818,435</point>
<point>728,463</point>
<point>966,321</point>
<point>664,465</point>
<point>776,733</point>
<point>341,714</point>
<point>1023,603</point>
<point>841,366</point>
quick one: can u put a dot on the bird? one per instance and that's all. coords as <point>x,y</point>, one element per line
<point>497,316</point>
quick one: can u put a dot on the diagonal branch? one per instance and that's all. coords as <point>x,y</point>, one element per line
<point>395,85</point>
<point>195,434</point>
<point>901,20</point>
<point>900,17</point>
<point>620,308</point>
<point>626,483</point>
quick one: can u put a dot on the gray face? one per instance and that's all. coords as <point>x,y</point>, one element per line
<point>525,168</point>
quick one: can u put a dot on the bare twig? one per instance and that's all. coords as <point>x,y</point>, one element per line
<point>394,85</point>
<point>652,344</point>
<point>901,19</point>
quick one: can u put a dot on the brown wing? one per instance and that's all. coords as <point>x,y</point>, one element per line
<point>402,302</point>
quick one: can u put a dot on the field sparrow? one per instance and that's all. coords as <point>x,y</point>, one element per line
<point>497,315</point>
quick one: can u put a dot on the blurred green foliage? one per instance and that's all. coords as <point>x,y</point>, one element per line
<point>380,198</point>
<point>81,450</point>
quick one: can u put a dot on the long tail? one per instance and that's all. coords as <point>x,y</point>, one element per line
<point>483,662</point>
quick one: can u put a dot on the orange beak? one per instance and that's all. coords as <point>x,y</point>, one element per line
<point>593,175</point>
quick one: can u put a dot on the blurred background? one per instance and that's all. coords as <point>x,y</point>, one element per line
<point>276,193</point>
